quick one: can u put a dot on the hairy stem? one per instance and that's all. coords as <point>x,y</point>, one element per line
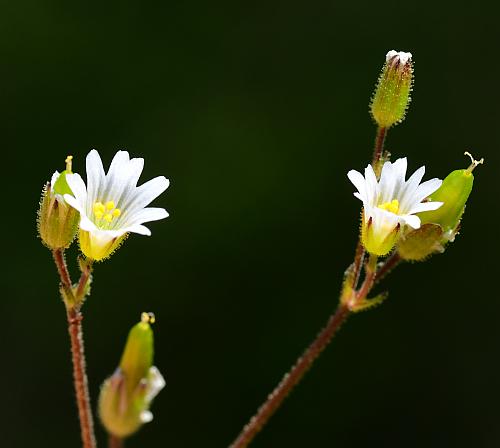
<point>387,266</point>
<point>291,379</point>
<point>379,145</point>
<point>82,283</point>
<point>304,363</point>
<point>80,377</point>
<point>62,269</point>
<point>74,318</point>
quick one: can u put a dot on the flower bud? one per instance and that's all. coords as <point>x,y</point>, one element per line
<point>57,221</point>
<point>454,192</point>
<point>126,396</point>
<point>392,94</point>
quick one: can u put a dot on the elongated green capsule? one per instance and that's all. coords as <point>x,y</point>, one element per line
<point>392,94</point>
<point>126,395</point>
<point>454,193</point>
<point>137,356</point>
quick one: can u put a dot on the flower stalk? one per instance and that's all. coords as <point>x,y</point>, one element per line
<point>115,442</point>
<point>74,319</point>
<point>351,301</point>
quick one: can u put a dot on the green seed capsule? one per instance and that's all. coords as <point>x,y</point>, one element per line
<point>454,193</point>
<point>126,395</point>
<point>137,357</point>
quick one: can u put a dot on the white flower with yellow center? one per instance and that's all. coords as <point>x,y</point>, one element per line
<point>391,203</point>
<point>112,205</point>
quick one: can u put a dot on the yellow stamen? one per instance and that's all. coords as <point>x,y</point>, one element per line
<point>108,217</point>
<point>98,206</point>
<point>392,206</point>
<point>110,205</point>
<point>117,212</point>
<point>98,214</point>
<point>69,164</point>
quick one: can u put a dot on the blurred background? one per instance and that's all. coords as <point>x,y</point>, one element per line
<point>255,111</point>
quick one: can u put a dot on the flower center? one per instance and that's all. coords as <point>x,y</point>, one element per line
<point>105,213</point>
<point>392,206</point>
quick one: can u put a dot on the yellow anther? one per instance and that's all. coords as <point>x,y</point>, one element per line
<point>108,217</point>
<point>392,206</point>
<point>148,318</point>
<point>69,164</point>
<point>117,212</point>
<point>474,162</point>
<point>110,205</point>
<point>99,207</point>
<point>98,214</point>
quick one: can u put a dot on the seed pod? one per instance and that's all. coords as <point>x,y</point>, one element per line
<point>454,192</point>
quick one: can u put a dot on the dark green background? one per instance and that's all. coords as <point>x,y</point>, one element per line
<point>255,111</point>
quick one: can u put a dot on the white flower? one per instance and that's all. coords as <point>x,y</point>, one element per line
<point>112,205</point>
<point>391,203</point>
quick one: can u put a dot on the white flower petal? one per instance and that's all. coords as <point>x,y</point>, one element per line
<point>54,179</point>
<point>145,194</point>
<point>371,185</point>
<point>147,215</point>
<point>73,202</point>
<point>77,185</point>
<point>359,182</point>
<point>425,207</point>
<point>95,177</point>
<point>137,228</point>
<point>412,221</point>
<point>426,188</point>
<point>117,178</point>
<point>409,189</point>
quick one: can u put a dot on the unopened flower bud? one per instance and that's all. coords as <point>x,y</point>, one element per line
<point>392,94</point>
<point>126,396</point>
<point>57,221</point>
<point>454,193</point>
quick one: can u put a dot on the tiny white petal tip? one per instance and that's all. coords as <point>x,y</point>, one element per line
<point>403,57</point>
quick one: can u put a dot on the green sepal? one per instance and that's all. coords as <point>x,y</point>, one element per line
<point>57,222</point>
<point>392,94</point>
<point>367,304</point>
<point>419,244</point>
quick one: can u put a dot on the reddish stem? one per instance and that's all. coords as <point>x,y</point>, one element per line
<point>60,261</point>
<point>389,264</point>
<point>115,442</point>
<point>80,377</point>
<point>358,262</point>
<point>379,145</point>
<point>74,318</point>
<point>292,378</point>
